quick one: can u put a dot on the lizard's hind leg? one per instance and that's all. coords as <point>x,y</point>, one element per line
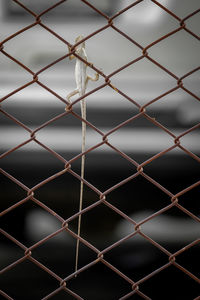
<point>92,78</point>
<point>69,96</point>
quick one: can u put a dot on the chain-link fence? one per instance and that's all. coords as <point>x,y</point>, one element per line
<point>100,262</point>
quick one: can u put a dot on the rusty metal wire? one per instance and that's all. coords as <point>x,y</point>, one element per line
<point>68,165</point>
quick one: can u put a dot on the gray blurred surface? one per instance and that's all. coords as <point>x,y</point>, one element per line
<point>140,139</point>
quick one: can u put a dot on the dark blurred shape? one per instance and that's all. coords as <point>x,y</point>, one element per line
<point>69,9</point>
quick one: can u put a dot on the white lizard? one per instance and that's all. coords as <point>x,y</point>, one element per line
<point>82,79</point>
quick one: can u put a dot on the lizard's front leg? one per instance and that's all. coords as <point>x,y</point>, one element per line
<point>72,55</point>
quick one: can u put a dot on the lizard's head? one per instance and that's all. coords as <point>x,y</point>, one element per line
<point>78,39</point>
<point>78,48</point>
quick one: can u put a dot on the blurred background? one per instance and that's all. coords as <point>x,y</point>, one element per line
<point>140,139</point>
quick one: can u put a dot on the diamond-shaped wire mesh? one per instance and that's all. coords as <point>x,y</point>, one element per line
<point>29,257</point>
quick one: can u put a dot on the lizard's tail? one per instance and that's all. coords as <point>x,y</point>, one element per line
<point>83,107</point>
